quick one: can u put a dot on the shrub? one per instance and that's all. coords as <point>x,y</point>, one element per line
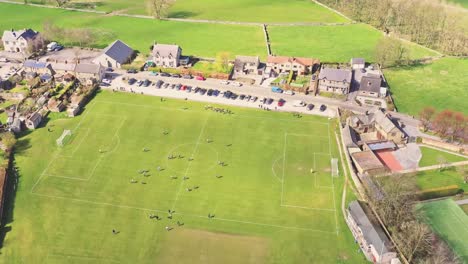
<point>438,192</point>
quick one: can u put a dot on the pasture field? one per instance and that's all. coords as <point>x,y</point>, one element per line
<point>273,199</point>
<point>227,10</point>
<point>450,222</point>
<point>332,43</point>
<point>196,39</point>
<point>431,157</point>
<point>441,84</point>
<point>434,179</point>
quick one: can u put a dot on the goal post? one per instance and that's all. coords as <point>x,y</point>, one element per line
<point>63,138</point>
<point>334,167</point>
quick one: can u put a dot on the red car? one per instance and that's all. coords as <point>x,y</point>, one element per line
<point>200,78</point>
<point>183,88</point>
<point>281,102</point>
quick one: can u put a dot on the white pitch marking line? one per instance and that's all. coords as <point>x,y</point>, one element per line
<point>309,208</point>
<point>273,169</point>
<point>284,165</point>
<point>188,166</point>
<point>305,135</point>
<point>183,214</point>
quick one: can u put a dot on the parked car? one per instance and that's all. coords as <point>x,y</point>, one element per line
<point>175,75</point>
<point>227,94</point>
<point>299,103</point>
<point>132,71</point>
<point>146,83</point>
<point>238,84</point>
<point>153,73</point>
<point>310,107</point>
<point>200,78</point>
<point>172,86</point>
<point>189,89</point>
<point>215,92</point>
<point>248,98</point>
<point>276,89</point>
<point>159,83</point>
<point>51,46</point>
<point>242,97</point>
<point>254,99</point>
<point>140,83</point>
<point>58,48</point>
<point>132,81</point>
<point>164,74</point>
<point>197,89</point>
<point>210,92</point>
<point>323,108</point>
<point>106,81</point>
<point>270,101</point>
<point>165,85</point>
<point>178,86</point>
<point>105,84</point>
<point>264,100</point>
<point>224,82</point>
<point>4,60</point>
<point>234,96</point>
<point>202,91</point>
<point>187,76</point>
<point>281,102</point>
<point>288,92</point>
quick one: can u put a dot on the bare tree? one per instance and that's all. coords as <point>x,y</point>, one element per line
<point>61,3</point>
<point>390,52</point>
<point>414,239</point>
<point>426,116</point>
<point>222,61</point>
<point>159,8</point>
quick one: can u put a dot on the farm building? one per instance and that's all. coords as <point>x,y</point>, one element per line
<point>115,55</point>
<point>165,55</point>
<point>21,41</point>
<point>366,162</point>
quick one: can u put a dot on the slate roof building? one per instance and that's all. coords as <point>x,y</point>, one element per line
<point>335,80</point>
<point>115,55</point>
<point>165,55</point>
<point>21,41</point>
<point>88,71</point>
<point>247,65</point>
<point>39,67</point>
<point>34,120</point>
<point>358,63</point>
<point>367,163</point>
<point>369,234</point>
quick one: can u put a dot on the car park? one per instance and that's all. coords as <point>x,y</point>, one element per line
<point>310,107</point>
<point>323,108</point>
<point>187,76</point>
<point>132,71</point>
<point>281,102</point>
<point>132,81</point>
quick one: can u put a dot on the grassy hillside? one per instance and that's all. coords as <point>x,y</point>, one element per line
<point>203,40</point>
<point>331,43</point>
<point>441,84</point>
<point>230,10</point>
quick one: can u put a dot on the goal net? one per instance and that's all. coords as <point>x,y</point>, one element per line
<point>63,138</point>
<point>334,167</point>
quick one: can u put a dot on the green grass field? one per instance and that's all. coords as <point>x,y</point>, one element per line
<point>228,10</point>
<point>431,157</point>
<point>441,84</point>
<point>268,205</point>
<point>464,208</point>
<point>435,179</point>
<point>196,39</point>
<point>450,222</point>
<point>331,43</point>
<point>463,3</point>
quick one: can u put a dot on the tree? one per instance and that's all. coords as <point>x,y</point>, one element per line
<point>459,128</point>
<point>442,161</point>
<point>8,140</point>
<point>222,61</point>
<point>390,52</point>
<point>158,8</point>
<point>443,123</point>
<point>415,239</point>
<point>426,116</point>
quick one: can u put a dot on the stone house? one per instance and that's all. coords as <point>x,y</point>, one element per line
<point>115,55</point>
<point>34,120</point>
<point>89,71</point>
<point>371,237</point>
<point>370,86</point>
<point>167,56</point>
<point>22,41</point>
<point>38,67</point>
<point>379,126</point>
<point>335,80</point>
<point>247,65</point>
<point>300,66</point>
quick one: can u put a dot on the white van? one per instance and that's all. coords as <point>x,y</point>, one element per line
<point>51,46</point>
<point>225,82</point>
<point>288,92</point>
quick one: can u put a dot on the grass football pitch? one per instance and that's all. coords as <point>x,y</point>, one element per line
<point>450,222</point>
<point>272,201</point>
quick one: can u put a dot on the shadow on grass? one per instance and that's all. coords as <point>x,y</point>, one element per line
<point>182,14</point>
<point>9,202</point>
<point>85,5</point>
